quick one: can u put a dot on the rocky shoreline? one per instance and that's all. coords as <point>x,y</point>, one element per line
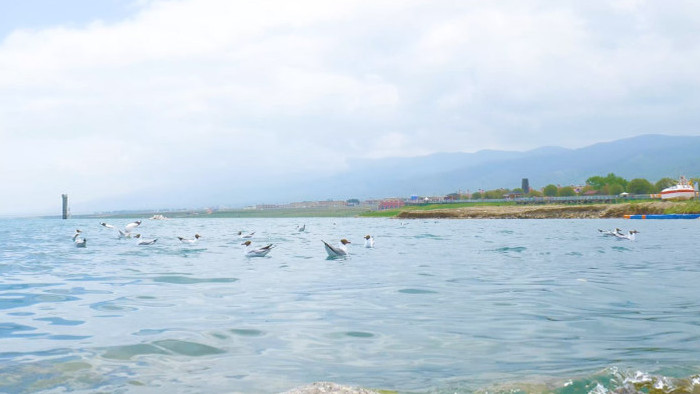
<point>553,211</point>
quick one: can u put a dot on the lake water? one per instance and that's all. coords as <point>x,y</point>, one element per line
<point>437,306</point>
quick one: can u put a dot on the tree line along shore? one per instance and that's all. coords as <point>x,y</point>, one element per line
<point>610,184</point>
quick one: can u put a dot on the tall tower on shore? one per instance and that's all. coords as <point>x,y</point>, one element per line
<point>525,186</point>
<point>65,205</point>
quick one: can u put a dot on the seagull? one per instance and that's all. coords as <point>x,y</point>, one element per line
<point>337,251</point>
<point>615,232</point>
<point>259,252</point>
<point>245,236</point>
<point>129,227</point>
<point>127,234</point>
<point>630,236</point>
<point>190,241</point>
<point>106,225</point>
<point>369,241</point>
<point>79,242</point>
<point>145,241</point>
<point>301,228</point>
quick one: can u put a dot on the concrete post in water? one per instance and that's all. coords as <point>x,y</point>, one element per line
<point>65,205</point>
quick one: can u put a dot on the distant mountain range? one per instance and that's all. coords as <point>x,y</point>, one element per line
<point>649,156</point>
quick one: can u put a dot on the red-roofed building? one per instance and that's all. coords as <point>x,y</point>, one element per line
<point>391,204</point>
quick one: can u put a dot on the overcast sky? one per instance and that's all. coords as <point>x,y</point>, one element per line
<point>107,98</point>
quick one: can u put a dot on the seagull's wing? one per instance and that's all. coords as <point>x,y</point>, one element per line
<point>332,250</point>
<point>131,226</point>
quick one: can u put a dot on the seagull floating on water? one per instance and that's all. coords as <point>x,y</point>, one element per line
<point>106,225</point>
<point>301,228</point>
<point>78,241</point>
<point>245,236</point>
<point>369,241</point>
<point>615,232</point>
<point>190,241</point>
<point>127,234</point>
<point>630,236</point>
<point>337,251</point>
<point>257,252</point>
<point>145,241</point>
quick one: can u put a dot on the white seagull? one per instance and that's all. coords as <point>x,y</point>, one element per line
<point>257,252</point>
<point>145,241</point>
<point>630,236</point>
<point>615,232</point>
<point>190,241</point>
<point>106,225</point>
<point>131,226</point>
<point>301,228</point>
<point>123,234</point>
<point>245,236</point>
<point>337,251</point>
<point>127,229</point>
<point>78,241</point>
<point>369,241</point>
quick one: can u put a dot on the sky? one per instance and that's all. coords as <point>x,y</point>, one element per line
<point>115,98</point>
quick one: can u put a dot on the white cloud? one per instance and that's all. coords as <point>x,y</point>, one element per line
<point>275,87</point>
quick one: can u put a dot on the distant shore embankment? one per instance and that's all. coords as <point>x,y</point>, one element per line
<point>554,211</point>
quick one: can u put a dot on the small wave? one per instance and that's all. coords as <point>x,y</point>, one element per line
<point>57,321</point>
<point>10,330</point>
<point>17,300</point>
<point>112,306</point>
<point>148,331</point>
<point>344,335</point>
<point>186,348</point>
<point>417,291</point>
<point>508,249</point>
<point>359,334</point>
<point>166,346</point>
<point>69,337</point>
<point>611,380</point>
<point>426,236</point>
<point>185,280</point>
<point>620,249</point>
<point>126,352</point>
<point>247,332</point>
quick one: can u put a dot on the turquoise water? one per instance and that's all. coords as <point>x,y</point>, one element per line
<point>436,306</point>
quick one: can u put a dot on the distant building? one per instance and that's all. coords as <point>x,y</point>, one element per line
<point>525,186</point>
<point>512,195</point>
<point>392,203</point>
